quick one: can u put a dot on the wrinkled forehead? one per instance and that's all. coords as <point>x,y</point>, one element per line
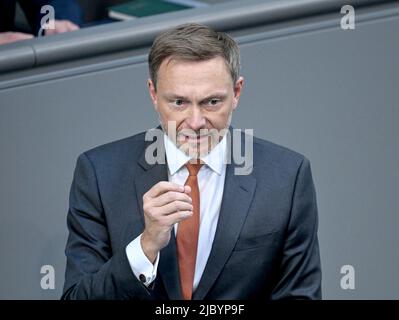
<point>175,71</point>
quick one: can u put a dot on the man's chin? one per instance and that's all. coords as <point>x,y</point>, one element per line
<point>197,149</point>
<point>194,152</point>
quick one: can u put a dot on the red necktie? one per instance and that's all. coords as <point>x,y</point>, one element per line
<point>187,235</point>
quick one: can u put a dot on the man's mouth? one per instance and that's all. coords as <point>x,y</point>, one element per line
<point>192,137</point>
<point>195,139</point>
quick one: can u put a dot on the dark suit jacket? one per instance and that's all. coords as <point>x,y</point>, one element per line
<point>265,245</point>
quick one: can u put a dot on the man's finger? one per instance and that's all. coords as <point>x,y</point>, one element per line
<point>177,217</point>
<point>171,196</point>
<point>8,37</point>
<point>176,206</point>
<point>162,187</point>
<point>71,26</point>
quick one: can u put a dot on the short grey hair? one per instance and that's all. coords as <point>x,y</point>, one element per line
<point>194,42</point>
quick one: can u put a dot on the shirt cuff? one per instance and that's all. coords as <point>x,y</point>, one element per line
<point>142,268</point>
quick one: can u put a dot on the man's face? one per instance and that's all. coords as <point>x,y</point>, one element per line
<point>195,101</point>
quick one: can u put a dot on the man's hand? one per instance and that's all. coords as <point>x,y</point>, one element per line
<point>62,26</point>
<point>8,37</point>
<point>165,204</point>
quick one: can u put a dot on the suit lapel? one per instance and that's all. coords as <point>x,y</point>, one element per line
<point>168,267</point>
<point>237,197</point>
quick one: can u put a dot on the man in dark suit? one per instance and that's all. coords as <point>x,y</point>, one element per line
<point>177,218</point>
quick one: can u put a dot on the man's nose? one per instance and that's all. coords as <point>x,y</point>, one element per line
<point>196,120</point>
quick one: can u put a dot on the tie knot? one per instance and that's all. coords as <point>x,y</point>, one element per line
<point>193,168</point>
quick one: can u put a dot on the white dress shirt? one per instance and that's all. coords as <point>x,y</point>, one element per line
<point>211,178</point>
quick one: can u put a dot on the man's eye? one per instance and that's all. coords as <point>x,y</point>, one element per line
<point>214,102</point>
<point>179,102</point>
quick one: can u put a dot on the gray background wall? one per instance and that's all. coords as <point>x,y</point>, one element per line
<point>325,92</point>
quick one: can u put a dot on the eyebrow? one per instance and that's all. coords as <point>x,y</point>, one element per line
<point>216,95</point>
<point>172,96</point>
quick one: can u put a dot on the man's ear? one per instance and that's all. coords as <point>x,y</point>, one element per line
<point>237,91</point>
<point>153,93</point>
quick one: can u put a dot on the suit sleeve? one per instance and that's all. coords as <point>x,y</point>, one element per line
<point>300,276</point>
<point>68,10</point>
<point>94,270</point>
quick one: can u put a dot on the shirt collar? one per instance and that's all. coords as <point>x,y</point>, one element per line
<point>177,158</point>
